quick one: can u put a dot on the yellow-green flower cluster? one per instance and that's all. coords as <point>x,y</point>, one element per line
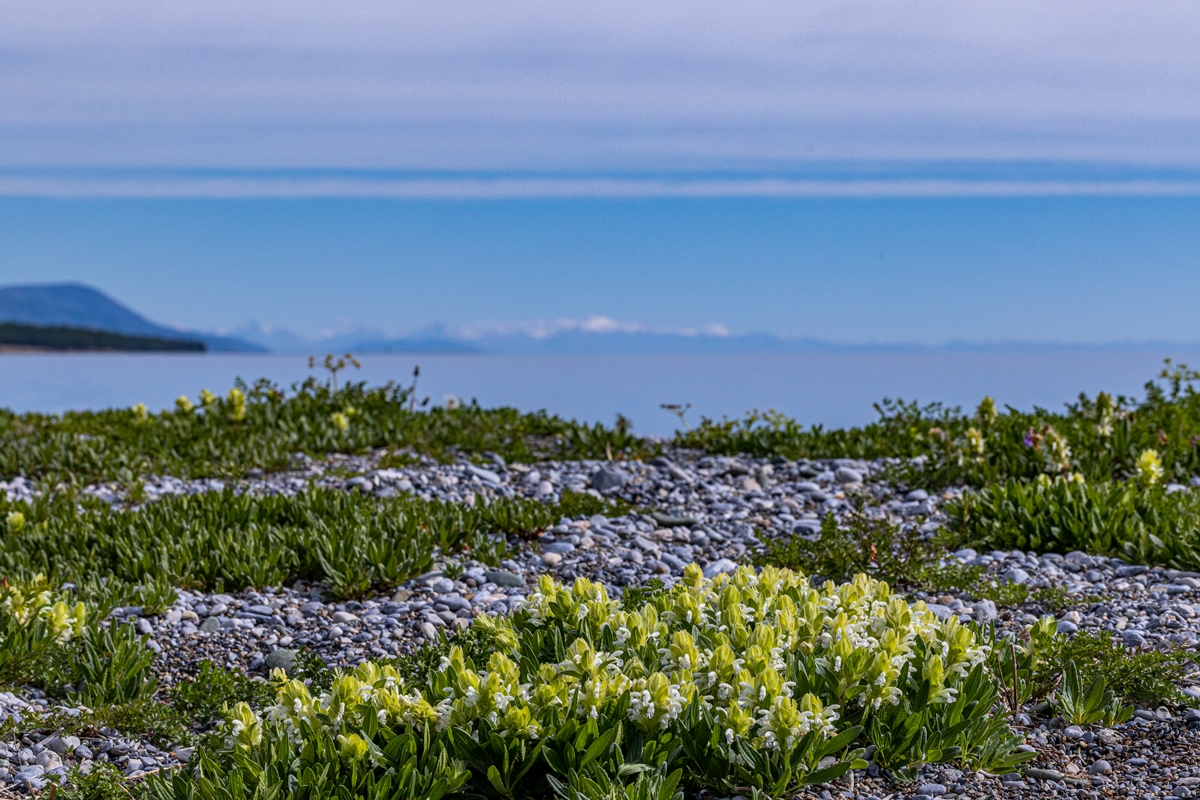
<point>32,602</point>
<point>733,644</point>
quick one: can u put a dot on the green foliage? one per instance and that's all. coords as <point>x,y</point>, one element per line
<point>634,597</point>
<point>1080,706</point>
<point>1149,677</point>
<point>104,782</point>
<point>595,784</point>
<point>1102,438</point>
<point>147,719</point>
<point>260,426</point>
<point>112,666</point>
<point>1115,519</point>
<point>1027,669</point>
<point>923,727</point>
<point>882,549</point>
<point>202,700</point>
<point>872,546</point>
<point>155,595</point>
<point>37,626</point>
<point>355,544</point>
<point>579,697</point>
<point>476,644</point>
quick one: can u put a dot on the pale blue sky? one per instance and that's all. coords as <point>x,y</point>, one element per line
<point>854,171</point>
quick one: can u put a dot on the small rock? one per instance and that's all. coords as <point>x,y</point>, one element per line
<point>607,479</point>
<point>1100,767</point>
<point>847,476</point>
<point>48,759</point>
<point>721,565</point>
<point>932,789</point>
<point>1016,575</point>
<point>502,578</point>
<point>282,658</point>
<point>1044,774</point>
<point>1132,638</point>
<point>551,559</point>
<point>1073,732</point>
<point>984,610</point>
<point>210,625</point>
<point>1067,627</point>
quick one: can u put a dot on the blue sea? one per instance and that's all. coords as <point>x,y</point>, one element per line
<point>831,388</point>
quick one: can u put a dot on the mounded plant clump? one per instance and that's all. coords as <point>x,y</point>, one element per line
<point>744,682</point>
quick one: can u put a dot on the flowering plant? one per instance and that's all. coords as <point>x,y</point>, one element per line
<point>746,681</point>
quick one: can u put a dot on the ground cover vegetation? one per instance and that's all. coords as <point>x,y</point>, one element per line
<point>1100,439</point>
<point>262,426</point>
<point>915,565</point>
<point>226,541</point>
<point>751,683</point>
<point>61,642</point>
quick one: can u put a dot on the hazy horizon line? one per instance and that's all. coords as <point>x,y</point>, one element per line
<point>834,179</point>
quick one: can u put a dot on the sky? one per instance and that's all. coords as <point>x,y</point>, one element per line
<point>853,171</point>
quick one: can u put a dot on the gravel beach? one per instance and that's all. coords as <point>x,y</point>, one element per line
<point>714,511</point>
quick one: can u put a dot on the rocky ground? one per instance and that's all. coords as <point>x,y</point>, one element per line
<point>708,510</point>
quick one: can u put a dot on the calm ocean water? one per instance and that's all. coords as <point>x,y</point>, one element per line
<point>835,389</point>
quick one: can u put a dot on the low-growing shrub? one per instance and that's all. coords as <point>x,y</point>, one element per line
<point>1101,438</point>
<point>354,543</point>
<point>261,426</point>
<point>1147,677</point>
<point>112,666</point>
<point>1143,525</point>
<point>36,626</point>
<point>1085,704</point>
<point>741,684</point>
<point>204,698</point>
<point>903,557</point>
<point>104,782</point>
<point>873,546</point>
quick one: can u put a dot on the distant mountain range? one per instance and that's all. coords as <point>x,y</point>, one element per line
<point>77,306</point>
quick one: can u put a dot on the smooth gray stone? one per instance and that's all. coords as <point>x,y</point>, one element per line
<point>674,562</point>
<point>845,475</point>
<point>210,625</point>
<point>1044,774</point>
<point>559,547</point>
<point>940,611</point>
<point>483,474</point>
<point>283,659</point>
<point>1016,575</point>
<point>667,521</point>
<point>1132,638</point>
<point>721,565</point>
<point>502,578</point>
<point>607,479</point>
